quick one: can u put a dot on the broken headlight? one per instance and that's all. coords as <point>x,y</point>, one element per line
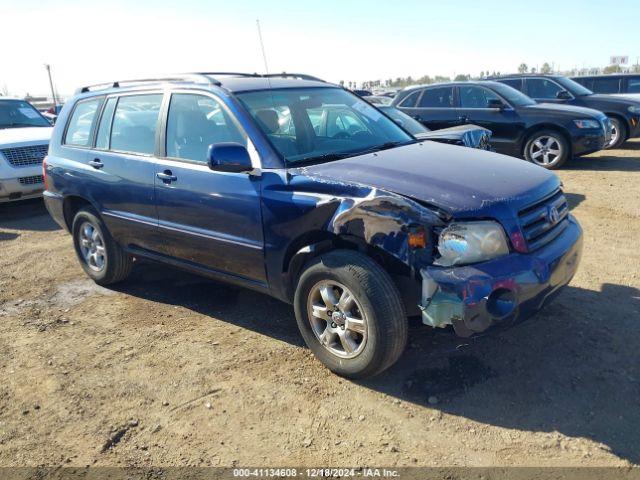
<point>471,242</point>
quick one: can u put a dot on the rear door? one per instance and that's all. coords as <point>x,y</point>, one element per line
<point>434,107</point>
<point>122,167</point>
<point>504,124</point>
<point>207,218</point>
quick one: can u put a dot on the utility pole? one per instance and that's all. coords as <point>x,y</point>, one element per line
<point>53,93</point>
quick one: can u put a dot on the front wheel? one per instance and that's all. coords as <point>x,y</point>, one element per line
<point>618,133</point>
<point>350,314</point>
<point>547,148</point>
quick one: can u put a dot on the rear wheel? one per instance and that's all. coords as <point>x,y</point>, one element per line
<point>100,256</point>
<point>350,314</point>
<point>547,148</point>
<point>618,133</point>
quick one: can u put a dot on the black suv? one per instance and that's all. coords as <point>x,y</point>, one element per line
<point>545,134</point>
<point>623,113</point>
<point>624,83</point>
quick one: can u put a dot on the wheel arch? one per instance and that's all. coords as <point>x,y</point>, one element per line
<point>313,244</point>
<point>71,205</point>
<point>623,121</point>
<point>527,134</point>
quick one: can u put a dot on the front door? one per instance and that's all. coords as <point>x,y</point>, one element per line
<point>504,123</point>
<point>206,218</point>
<point>546,90</point>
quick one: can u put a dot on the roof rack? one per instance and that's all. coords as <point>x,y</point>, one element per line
<point>181,77</point>
<point>301,76</point>
<point>200,77</point>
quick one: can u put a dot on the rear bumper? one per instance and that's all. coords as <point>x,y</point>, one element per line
<point>502,291</point>
<point>55,207</point>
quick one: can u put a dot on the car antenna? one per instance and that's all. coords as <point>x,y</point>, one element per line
<point>264,54</point>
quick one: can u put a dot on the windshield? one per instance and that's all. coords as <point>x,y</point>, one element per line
<point>511,95</point>
<point>18,113</point>
<point>574,88</point>
<point>411,125</point>
<point>307,125</point>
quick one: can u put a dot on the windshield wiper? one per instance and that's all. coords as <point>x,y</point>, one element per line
<point>385,146</point>
<point>325,157</point>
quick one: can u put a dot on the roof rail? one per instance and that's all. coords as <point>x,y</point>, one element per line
<point>201,77</point>
<point>181,77</point>
<point>301,76</point>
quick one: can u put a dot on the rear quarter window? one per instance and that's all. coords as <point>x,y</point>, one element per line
<point>80,125</point>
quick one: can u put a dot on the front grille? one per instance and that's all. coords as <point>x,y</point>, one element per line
<point>544,220</point>
<point>34,180</point>
<point>25,156</point>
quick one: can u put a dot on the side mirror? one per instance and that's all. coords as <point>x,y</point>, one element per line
<point>563,95</point>
<point>229,157</point>
<point>496,103</point>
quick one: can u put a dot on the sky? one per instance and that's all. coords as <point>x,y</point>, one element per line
<point>91,41</point>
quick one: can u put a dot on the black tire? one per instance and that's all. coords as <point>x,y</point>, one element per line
<point>531,149</point>
<point>619,126</point>
<point>378,300</point>
<point>116,264</point>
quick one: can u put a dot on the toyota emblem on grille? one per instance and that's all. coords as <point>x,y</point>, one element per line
<point>553,215</point>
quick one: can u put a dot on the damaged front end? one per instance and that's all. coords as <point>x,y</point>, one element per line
<point>472,298</point>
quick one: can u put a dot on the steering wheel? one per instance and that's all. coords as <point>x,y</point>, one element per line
<point>361,136</point>
<point>341,136</point>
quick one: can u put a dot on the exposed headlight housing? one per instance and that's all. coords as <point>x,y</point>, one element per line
<point>587,123</point>
<point>471,242</point>
<point>634,108</point>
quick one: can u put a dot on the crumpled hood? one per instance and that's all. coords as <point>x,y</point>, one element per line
<point>456,179</point>
<point>569,110</point>
<point>28,135</point>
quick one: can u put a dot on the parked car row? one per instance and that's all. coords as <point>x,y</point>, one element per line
<point>624,113</point>
<point>304,191</point>
<point>543,133</point>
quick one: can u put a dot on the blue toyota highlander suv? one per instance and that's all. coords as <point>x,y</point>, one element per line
<point>261,181</point>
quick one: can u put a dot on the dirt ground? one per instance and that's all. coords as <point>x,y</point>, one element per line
<point>172,369</point>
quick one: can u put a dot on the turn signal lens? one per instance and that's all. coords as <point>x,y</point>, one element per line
<point>418,239</point>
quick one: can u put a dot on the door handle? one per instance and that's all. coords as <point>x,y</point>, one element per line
<point>96,163</point>
<point>166,176</point>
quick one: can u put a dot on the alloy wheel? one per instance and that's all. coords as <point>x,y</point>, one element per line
<point>615,134</point>
<point>546,150</point>
<point>92,246</point>
<point>337,319</point>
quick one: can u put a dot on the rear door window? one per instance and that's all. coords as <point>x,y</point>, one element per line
<point>542,88</point>
<point>514,83</point>
<point>441,97</point>
<point>606,85</point>
<point>104,129</point>
<point>81,123</point>
<point>135,123</point>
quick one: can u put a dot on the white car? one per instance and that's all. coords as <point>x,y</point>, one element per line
<point>24,141</point>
